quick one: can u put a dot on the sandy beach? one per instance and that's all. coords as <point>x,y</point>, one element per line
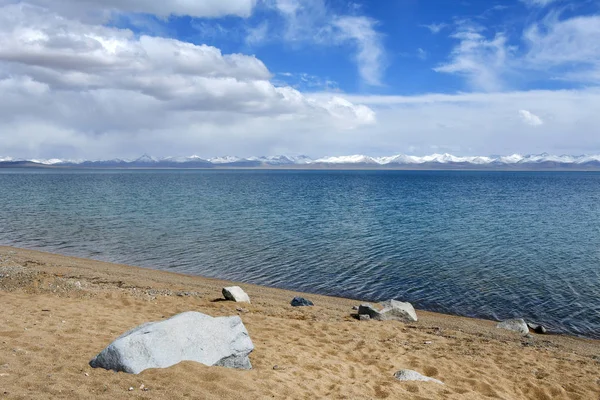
<point>58,312</point>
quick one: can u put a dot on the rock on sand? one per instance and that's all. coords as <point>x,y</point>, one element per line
<point>392,310</point>
<point>301,302</point>
<point>515,325</point>
<point>235,293</point>
<point>190,336</point>
<point>410,375</point>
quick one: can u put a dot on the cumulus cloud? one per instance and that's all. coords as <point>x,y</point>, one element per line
<point>529,118</point>
<point>90,81</point>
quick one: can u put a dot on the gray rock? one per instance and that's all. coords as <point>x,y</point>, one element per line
<point>364,317</point>
<point>301,302</point>
<point>410,375</point>
<point>537,328</point>
<point>235,293</point>
<point>190,336</point>
<point>355,308</point>
<point>515,325</point>
<point>398,311</point>
<point>392,310</point>
<point>367,309</point>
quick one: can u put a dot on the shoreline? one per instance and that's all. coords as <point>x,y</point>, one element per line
<point>224,281</point>
<point>96,301</point>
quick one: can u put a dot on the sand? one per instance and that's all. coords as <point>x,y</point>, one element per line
<point>58,312</point>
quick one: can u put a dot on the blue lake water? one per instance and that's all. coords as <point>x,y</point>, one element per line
<point>483,244</point>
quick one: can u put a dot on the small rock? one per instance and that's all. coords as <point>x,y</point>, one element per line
<point>142,386</point>
<point>428,342</point>
<point>537,328</point>
<point>301,302</point>
<point>86,374</point>
<point>364,317</point>
<point>355,308</point>
<point>278,368</point>
<point>235,293</point>
<point>131,389</point>
<point>410,375</point>
<point>515,325</point>
<point>1,375</point>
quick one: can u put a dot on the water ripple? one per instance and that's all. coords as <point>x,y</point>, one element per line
<point>482,244</point>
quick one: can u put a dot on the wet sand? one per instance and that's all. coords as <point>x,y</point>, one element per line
<point>58,312</point>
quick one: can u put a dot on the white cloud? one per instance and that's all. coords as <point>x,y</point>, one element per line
<point>573,43</point>
<point>480,60</point>
<point>258,34</point>
<point>79,82</point>
<point>161,8</point>
<point>554,48</point>
<point>538,3</point>
<point>479,123</point>
<point>530,119</point>
<point>370,55</point>
<point>311,21</point>
<point>435,28</point>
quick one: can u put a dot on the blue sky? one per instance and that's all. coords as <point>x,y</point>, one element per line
<point>416,38</point>
<point>96,79</point>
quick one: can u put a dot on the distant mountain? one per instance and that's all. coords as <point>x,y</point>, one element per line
<point>400,161</point>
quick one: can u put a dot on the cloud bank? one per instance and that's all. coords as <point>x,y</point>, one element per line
<point>73,86</point>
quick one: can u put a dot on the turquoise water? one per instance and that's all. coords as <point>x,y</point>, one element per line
<point>483,244</point>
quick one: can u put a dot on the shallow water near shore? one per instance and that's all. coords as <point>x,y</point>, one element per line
<point>483,244</point>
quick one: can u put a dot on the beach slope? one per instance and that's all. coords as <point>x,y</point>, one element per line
<point>58,312</point>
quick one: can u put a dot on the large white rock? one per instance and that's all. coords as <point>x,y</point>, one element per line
<point>392,310</point>
<point>397,310</point>
<point>515,325</point>
<point>235,293</point>
<point>190,336</point>
<point>410,375</point>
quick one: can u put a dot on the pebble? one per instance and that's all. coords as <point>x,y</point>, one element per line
<point>131,389</point>
<point>428,342</point>
<point>86,374</point>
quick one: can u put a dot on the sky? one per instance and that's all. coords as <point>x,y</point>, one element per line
<point>99,79</point>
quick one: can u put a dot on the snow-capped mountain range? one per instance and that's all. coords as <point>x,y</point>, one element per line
<point>441,161</point>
